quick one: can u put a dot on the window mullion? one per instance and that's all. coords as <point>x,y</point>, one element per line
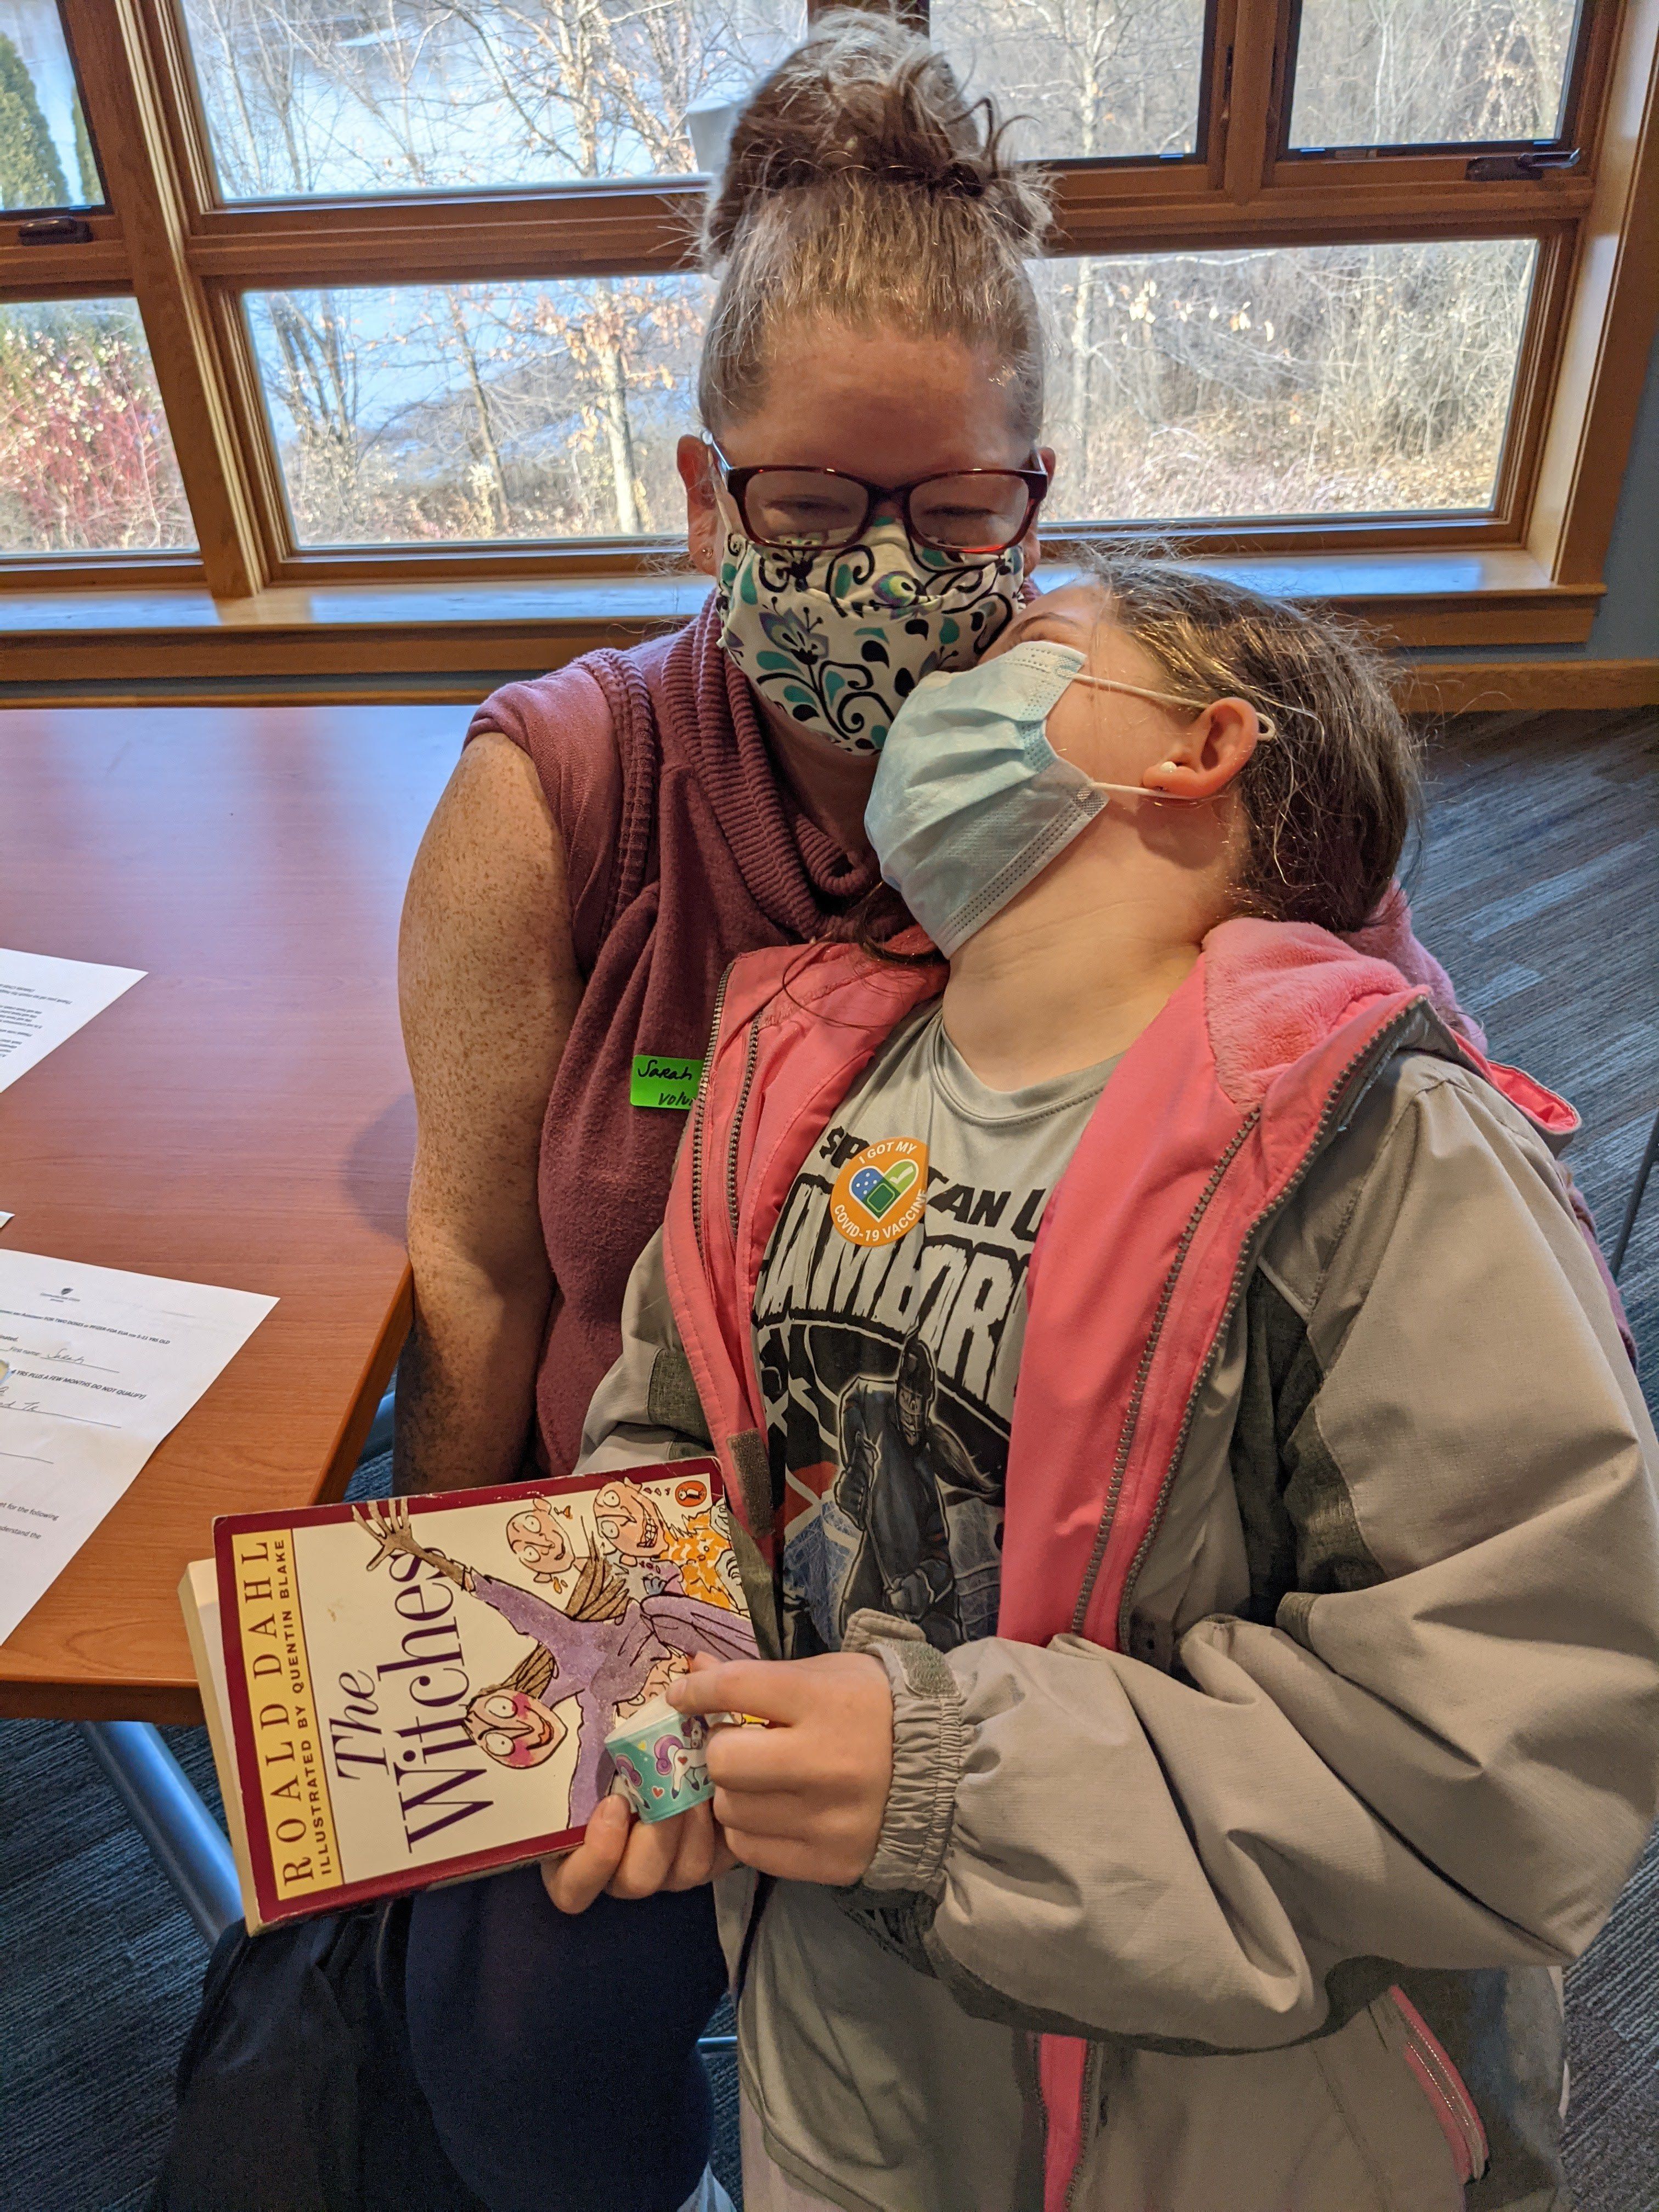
<point>122,89</point>
<point>1611,322</point>
<point>1253,73</point>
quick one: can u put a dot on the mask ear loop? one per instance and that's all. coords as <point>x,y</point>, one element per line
<point>1265,728</point>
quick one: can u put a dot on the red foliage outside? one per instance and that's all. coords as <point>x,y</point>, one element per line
<point>86,462</point>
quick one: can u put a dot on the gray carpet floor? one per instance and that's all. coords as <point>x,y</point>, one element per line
<point>1538,888</point>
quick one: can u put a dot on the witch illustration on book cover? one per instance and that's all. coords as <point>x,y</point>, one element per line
<point>604,1649</point>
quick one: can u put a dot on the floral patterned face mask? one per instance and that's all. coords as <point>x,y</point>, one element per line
<point>839,639</point>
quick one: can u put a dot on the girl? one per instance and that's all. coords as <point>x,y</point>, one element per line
<point>1200,1509</point>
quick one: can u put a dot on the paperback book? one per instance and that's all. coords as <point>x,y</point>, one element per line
<point>418,1690</point>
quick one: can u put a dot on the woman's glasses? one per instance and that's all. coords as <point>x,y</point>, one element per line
<point>972,510</point>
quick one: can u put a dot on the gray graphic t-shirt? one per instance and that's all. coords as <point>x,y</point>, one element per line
<point>889,1319</point>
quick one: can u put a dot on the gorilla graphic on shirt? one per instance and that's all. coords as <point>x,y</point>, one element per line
<point>887,1375</point>
<point>897,1460</point>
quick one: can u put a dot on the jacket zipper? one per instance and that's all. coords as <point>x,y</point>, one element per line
<point>1131,1416</point>
<point>1033,2049</point>
<point>700,1106</point>
<point>750,1052</point>
<point>1444,2084</point>
<point>1088,2122</point>
<point>1374,1051</point>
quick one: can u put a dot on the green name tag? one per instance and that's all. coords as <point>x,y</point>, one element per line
<point>659,1081</point>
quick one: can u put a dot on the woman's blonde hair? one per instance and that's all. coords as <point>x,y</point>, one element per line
<point>860,186</point>
<point>1327,800</point>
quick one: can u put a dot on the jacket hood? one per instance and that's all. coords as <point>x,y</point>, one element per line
<point>1274,990</point>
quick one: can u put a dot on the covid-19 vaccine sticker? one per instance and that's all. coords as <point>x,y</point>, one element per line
<point>880,1194</point>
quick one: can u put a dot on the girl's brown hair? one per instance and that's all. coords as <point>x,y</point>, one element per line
<point>1328,799</point>
<point>860,186</point>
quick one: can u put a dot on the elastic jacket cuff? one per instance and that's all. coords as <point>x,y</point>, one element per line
<point>930,1748</point>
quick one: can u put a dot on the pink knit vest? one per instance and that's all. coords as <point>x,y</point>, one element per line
<point>683,849</point>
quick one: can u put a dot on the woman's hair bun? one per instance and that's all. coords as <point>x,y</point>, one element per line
<point>861,186</point>
<point>866,102</point>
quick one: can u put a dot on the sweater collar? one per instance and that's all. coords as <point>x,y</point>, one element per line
<point>795,872</point>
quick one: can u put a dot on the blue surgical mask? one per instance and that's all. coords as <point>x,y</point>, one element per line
<point>971,801</point>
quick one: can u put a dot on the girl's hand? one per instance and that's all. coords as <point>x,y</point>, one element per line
<point>802,1797</point>
<point>627,1857</point>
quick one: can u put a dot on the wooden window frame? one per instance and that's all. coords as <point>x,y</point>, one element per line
<point>1531,568</point>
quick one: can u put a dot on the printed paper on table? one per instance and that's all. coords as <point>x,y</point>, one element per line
<point>96,1366</point>
<point>43,1000</point>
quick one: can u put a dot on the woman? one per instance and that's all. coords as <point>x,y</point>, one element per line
<point>1202,1515</point>
<point>614,836</point>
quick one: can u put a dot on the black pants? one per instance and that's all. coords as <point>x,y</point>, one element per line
<point>473,2050</point>
<point>296,2089</point>
<point>559,2054</point>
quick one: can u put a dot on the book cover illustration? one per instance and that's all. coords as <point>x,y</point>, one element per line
<point>420,1688</point>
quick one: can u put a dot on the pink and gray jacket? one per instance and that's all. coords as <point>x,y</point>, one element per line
<point>1322,1724</point>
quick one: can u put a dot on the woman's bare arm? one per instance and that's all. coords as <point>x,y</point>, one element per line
<point>487,986</point>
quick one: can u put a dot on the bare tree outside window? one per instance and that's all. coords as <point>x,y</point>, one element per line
<point>1430,72</point>
<point>305,97</point>
<point>439,413</point>
<point>1297,380</point>
<point>1082,79</point>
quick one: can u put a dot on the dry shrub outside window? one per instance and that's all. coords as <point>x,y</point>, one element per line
<point>1300,380</point>
<point>86,460</point>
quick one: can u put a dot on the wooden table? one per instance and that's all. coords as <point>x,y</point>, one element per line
<point>242,1117</point>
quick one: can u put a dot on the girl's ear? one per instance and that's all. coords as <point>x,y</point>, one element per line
<point>1209,753</point>
<point>703,526</point>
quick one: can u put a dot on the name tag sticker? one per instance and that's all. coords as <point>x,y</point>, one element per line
<point>659,1080</point>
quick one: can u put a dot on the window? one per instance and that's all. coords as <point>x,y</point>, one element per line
<point>1085,79</point>
<point>323,97</point>
<point>441,413</point>
<point>1294,380</point>
<point>86,461</point>
<point>388,289</point>
<point>46,158</point>
<point>1430,72</point>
